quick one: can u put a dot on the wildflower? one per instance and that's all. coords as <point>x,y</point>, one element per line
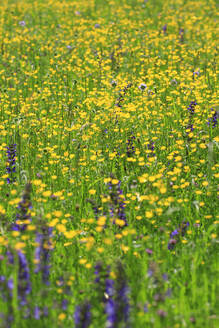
<point>43,252</point>
<point>151,148</point>
<point>110,305</point>
<point>162,313</point>
<point>196,72</point>
<point>121,299</point>
<point>94,207</point>
<point>64,304</point>
<point>191,110</point>
<point>62,316</point>
<point>181,34</point>
<point>122,94</point>
<point>146,308</point>
<point>175,234</point>
<point>164,29</point>
<point>36,312</point>
<point>23,216</point>
<point>22,23</point>
<point>142,86</point>
<point>24,284</point>
<point>130,149</point>
<point>113,83</point>
<point>191,107</point>
<point>11,160</point>
<point>6,288</point>
<point>118,206</point>
<point>82,315</point>
<point>149,251</point>
<point>213,119</point>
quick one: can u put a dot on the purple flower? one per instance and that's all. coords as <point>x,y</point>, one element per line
<point>164,28</point>
<point>151,147</point>
<point>191,107</point>
<point>110,309</point>
<point>196,72</point>
<point>116,299</point>
<point>110,304</point>
<point>82,315</point>
<point>43,252</point>
<point>10,284</point>
<point>24,284</point>
<point>174,233</point>
<point>191,110</point>
<point>23,208</point>
<point>213,118</point>
<point>142,86</point>
<point>121,295</point>
<point>11,161</point>
<point>149,251</point>
<point>113,83</point>
<point>118,205</point>
<point>171,244</point>
<point>145,308</point>
<point>130,149</point>
<point>22,23</point>
<point>161,313</point>
<point>165,276</point>
<point>36,313</point>
<point>64,304</point>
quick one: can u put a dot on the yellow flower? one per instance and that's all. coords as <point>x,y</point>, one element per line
<point>124,248</point>
<point>119,222</point>
<point>108,241</point>
<point>31,227</point>
<point>70,234</point>
<point>149,214</point>
<point>62,316</point>
<point>67,244</point>
<point>2,210</point>
<point>101,221</point>
<point>53,223</point>
<point>15,233</point>
<point>142,179</point>
<point>47,193</point>
<point>37,182</point>
<point>19,245</point>
<point>82,261</point>
<point>88,265</point>
<point>163,190</point>
<point>202,145</point>
<point>61,227</point>
<point>57,214</point>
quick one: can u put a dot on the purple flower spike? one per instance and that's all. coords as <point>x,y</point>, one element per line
<point>11,162</point>
<point>82,315</point>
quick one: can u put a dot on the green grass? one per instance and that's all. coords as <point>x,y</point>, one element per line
<point>105,172</point>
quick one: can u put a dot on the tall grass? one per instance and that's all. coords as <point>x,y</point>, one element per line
<point>108,162</point>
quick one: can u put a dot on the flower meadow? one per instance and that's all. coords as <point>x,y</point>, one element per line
<point>109,163</point>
